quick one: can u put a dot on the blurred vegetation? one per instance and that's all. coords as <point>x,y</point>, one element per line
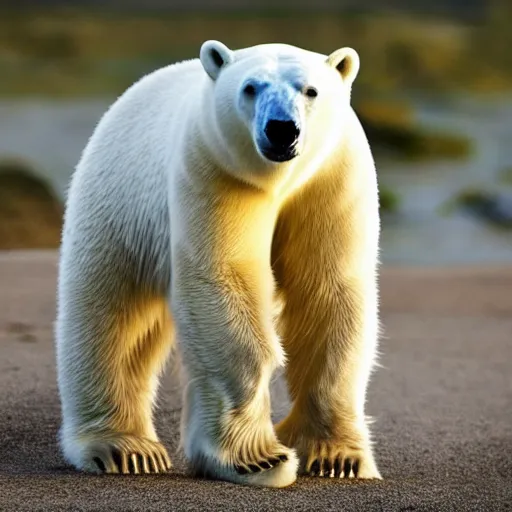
<point>505,176</point>
<point>72,52</point>
<point>391,129</point>
<point>389,200</point>
<point>492,206</point>
<point>30,215</point>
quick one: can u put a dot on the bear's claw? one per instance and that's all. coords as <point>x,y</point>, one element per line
<point>349,456</point>
<point>244,469</point>
<point>138,463</point>
<point>338,468</point>
<point>126,455</point>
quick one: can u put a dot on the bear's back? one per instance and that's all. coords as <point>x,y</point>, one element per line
<point>118,193</point>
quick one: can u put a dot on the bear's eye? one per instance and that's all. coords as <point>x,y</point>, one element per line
<point>311,92</point>
<point>250,90</point>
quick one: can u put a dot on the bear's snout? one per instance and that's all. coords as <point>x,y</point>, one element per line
<point>283,137</point>
<point>282,134</point>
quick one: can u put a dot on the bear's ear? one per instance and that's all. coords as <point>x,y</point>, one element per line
<point>214,55</point>
<point>346,61</point>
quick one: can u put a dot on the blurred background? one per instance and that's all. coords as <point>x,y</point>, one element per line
<point>434,95</point>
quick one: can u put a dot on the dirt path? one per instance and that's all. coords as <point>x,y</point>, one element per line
<point>442,403</point>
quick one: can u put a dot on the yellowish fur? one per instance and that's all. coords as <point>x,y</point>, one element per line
<point>174,223</point>
<point>324,257</point>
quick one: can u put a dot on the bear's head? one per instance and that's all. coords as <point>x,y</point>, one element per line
<point>274,103</point>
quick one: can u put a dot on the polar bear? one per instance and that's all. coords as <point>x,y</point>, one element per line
<point>229,202</point>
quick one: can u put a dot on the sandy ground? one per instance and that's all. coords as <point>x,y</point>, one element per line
<point>442,404</point>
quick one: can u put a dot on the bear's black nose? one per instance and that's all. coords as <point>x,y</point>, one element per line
<point>282,134</point>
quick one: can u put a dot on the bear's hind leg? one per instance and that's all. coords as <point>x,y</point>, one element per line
<point>109,363</point>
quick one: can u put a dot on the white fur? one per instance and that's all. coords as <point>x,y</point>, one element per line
<point>175,220</point>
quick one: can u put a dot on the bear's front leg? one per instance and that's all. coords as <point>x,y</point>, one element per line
<point>222,290</point>
<point>325,259</point>
<point>328,372</point>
